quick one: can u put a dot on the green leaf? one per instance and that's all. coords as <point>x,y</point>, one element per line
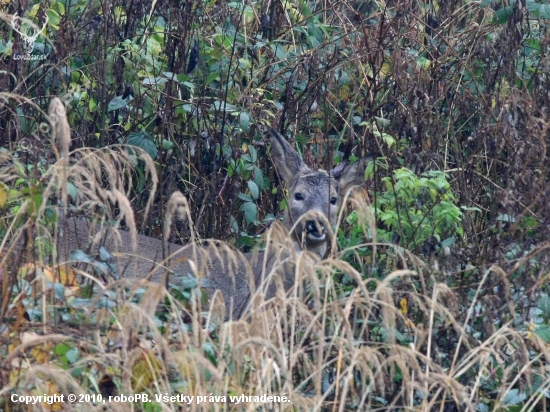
<point>92,105</point>
<point>118,103</point>
<point>54,18</point>
<point>61,349</point>
<point>532,6</point>
<point>59,290</point>
<point>544,304</point>
<point>544,11</point>
<point>228,107</point>
<point>140,139</point>
<point>79,303</point>
<point>448,242</point>
<point>72,190</point>
<point>258,177</point>
<point>233,223</point>
<point>253,154</point>
<point>501,16</point>
<point>250,211</point>
<point>245,197</point>
<point>213,77</point>
<point>543,332</point>
<point>382,122</point>
<point>148,81</point>
<point>254,190</point>
<point>4,49</point>
<point>481,407</point>
<point>22,120</point>
<point>244,122</point>
<point>79,256</point>
<point>72,355</point>
<point>104,254</point>
<point>514,396</point>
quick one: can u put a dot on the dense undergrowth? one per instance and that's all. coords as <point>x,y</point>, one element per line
<point>436,297</point>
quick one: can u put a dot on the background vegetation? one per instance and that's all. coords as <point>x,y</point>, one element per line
<point>450,99</point>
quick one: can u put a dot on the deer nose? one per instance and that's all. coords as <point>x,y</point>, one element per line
<point>315,231</point>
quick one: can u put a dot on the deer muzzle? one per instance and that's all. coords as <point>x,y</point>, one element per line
<point>315,231</point>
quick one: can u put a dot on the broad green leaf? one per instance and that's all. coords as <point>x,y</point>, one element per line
<point>501,16</point>
<point>154,80</point>
<point>253,154</point>
<point>245,197</point>
<point>382,122</point>
<point>532,6</point>
<point>72,190</point>
<point>61,349</point>
<point>118,103</point>
<point>543,332</point>
<point>53,19</point>
<point>79,256</point>
<point>258,177</point>
<point>244,121</point>
<point>544,11</point>
<point>140,139</point>
<point>250,212</point>
<point>544,304</point>
<point>22,120</point>
<point>72,355</point>
<point>514,396</point>
<point>254,191</point>
<point>228,107</point>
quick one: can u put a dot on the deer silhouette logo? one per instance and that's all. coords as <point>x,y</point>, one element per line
<point>28,38</point>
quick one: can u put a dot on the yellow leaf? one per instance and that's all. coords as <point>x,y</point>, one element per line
<point>25,270</point>
<point>385,70</point>
<point>146,370</point>
<point>66,276</point>
<point>244,147</point>
<point>404,306</point>
<point>344,92</point>
<point>293,11</point>
<point>3,195</point>
<point>34,10</point>
<point>41,353</point>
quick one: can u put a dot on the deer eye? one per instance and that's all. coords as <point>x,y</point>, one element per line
<point>333,200</point>
<point>299,196</point>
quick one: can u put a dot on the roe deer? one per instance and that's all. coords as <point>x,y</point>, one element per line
<point>312,206</point>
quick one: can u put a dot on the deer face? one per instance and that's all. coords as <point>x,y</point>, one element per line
<point>314,195</point>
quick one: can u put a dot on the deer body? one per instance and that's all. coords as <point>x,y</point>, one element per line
<point>312,206</point>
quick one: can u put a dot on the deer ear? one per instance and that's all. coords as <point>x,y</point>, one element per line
<point>348,176</point>
<point>287,161</point>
